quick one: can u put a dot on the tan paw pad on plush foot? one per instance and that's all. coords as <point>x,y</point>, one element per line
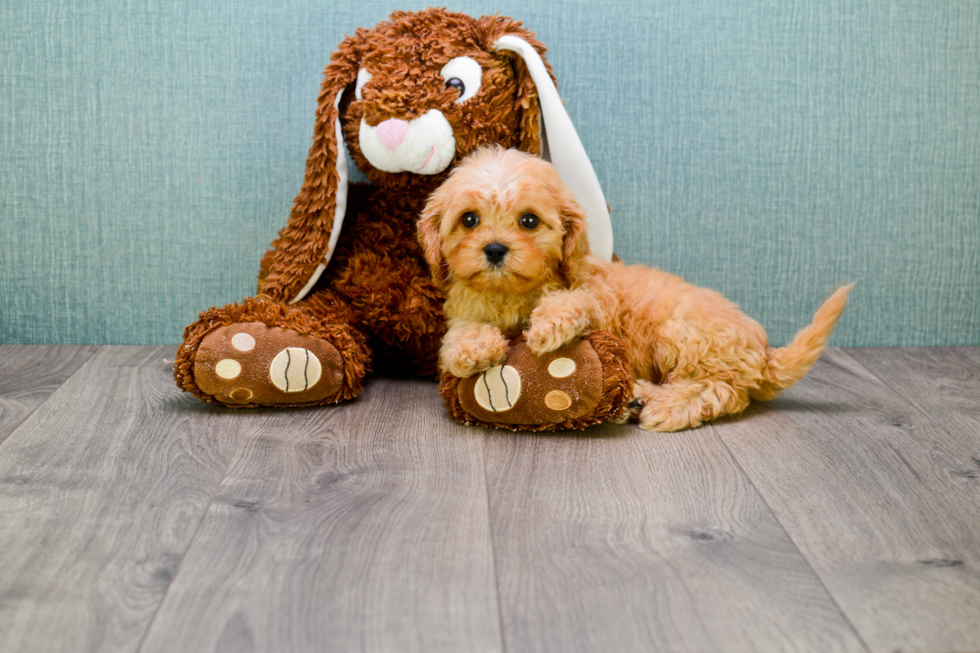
<point>254,364</point>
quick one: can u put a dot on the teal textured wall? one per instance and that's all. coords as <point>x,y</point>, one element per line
<point>149,151</point>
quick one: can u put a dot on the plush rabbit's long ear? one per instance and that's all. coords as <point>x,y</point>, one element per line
<point>306,243</point>
<point>561,145</point>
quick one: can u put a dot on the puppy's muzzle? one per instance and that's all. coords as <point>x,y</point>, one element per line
<point>495,253</point>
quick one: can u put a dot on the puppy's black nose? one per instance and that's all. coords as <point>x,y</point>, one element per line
<point>495,253</point>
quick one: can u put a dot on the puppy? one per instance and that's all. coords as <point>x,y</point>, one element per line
<point>507,242</point>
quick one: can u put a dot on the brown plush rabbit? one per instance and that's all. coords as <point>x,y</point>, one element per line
<point>345,285</point>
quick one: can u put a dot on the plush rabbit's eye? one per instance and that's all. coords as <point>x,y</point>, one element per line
<point>530,221</point>
<point>470,219</point>
<point>363,77</point>
<point>463,74</point>
<point>456,83</point>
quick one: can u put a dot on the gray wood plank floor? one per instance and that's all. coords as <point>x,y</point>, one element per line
<point>30,374</point>
<point>843,516</point>
<point>876,493</point>
<point>358,527</point>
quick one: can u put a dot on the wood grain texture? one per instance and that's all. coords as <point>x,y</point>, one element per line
<point>943,383</point>
<point>361,527</point>
<point>29,374</point>
<point>965,353</point>
<point>101,491</point>
<point>133,517</point>
<point>621,540</point>
<point>878,492</point>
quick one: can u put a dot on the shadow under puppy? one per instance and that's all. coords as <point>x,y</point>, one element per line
<point>506,240</point>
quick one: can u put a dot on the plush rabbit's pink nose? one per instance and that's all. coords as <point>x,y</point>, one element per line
<point>392,132</point>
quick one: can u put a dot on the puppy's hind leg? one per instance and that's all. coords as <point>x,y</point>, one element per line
<point>685,403</point>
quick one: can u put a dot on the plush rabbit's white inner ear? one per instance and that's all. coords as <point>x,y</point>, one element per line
<point>340,200</point>
<point>564,148</point>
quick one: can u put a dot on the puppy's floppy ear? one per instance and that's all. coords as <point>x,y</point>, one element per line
<point>575,242</point>
<point>560,143</point>
<point>304,246</point>
<point>429,238</point>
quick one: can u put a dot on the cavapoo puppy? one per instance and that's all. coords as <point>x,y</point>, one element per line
<point>507,242</point>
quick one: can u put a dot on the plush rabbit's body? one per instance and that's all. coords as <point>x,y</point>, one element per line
<point>376,282</point>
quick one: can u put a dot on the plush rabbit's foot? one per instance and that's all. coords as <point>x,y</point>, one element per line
<point>265,354</point>
<point>582,383</point>
<point>252,363</point>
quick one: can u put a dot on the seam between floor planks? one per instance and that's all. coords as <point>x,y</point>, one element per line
<point>790,537</point>
<point>333,525</point>
<point>971,353</point>
<point>882,400</point>
<point>180,564</point>
<point>493,548</point>
<point>44,402</point>
<point>9,390</point>
<point>617,539</point>
<point>104,429</point>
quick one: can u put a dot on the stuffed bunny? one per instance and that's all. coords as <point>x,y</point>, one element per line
<point>345,288</point>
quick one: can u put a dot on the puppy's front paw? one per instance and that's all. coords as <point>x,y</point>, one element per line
<point>474,355</point>
<point>545,335</point>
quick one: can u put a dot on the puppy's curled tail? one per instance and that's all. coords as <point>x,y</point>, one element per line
<point>787,365</point>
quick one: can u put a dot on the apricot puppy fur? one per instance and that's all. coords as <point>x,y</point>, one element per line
<point>507,242</point>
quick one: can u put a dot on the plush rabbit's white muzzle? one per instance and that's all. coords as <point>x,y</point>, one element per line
<point>423,145</point>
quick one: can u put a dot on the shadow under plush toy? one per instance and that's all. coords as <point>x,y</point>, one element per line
<point>345,286</point>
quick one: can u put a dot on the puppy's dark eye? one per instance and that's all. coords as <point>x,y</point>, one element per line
<point>456,83</point>
<point>470,220</point>
<point>530,221</point>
